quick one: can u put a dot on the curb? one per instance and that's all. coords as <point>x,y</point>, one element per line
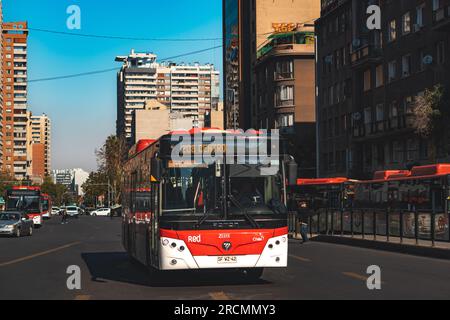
<point>422,251</point>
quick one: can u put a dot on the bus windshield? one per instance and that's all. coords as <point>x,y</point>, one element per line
<point>191,190</point>
<point>199,190</point>
<point>45,204</point>
<point>26,203</point>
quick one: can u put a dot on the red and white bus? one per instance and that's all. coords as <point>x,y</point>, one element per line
<point>401,203</point>
<point>46,206</point>
<point>28,200</point>
<point>181,215</point>
<point>407,203</point>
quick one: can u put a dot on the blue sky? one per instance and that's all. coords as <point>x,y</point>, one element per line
<point>83,110</point>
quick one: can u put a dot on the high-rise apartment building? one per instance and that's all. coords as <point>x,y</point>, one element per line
<point>269,63</point>
<point>369,81</point>
<point>192,90</point>
<point>249,26</point>
<point>14,79</point>
<point>1,86</point>
<point>41,134</point>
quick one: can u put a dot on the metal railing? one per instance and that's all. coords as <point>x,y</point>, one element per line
<point>375,223</point>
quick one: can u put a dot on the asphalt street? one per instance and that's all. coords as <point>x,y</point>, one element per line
<point>35,268</point>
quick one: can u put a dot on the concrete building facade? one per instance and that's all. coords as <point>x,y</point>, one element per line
<point>156,120</point>
<point>14,80</point>
<point>191,90</point>
<point>369,81</point>
<point>248,26</point>
<point>41,134</point>
<point>73,179</point>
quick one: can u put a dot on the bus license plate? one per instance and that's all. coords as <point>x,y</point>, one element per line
<point>225,260</point>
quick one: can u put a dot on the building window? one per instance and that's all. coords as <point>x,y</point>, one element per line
<point>380,112</point>
<point>379,76</point>
<point>421,60</point>
<point>392,69</point>
<point>406,65</point>
<point>436,5</point>
<point>284,70</point>
<point>392,30</point>
<point>285,120</point>
<point>440,52</point>
<point>406,23</point>
<point>284,96</point>
<point>419,15</point>
<point>367,116</point>
<point>367,82</point>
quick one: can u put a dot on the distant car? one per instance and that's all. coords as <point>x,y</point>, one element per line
<point>103,212</point>
<point>56,211</point>
<point>72,212</point>
<point>15,224</point>
<point>81,211</point>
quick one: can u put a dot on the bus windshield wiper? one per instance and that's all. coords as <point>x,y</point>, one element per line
<point>203,218</point>
<point>244,211</point>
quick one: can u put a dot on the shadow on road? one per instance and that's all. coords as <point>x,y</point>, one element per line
<point>117,266</point>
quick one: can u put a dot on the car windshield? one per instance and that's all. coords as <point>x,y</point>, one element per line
<point>72,208</point>
<point>10,216</point>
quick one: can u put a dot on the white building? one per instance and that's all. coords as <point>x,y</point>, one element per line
<point>192,90</point>
<point>72,178</point>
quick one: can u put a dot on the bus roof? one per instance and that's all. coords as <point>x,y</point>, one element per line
<point>140,146</point>
<point>144,144</point>
<point>321,181</point>
<point>419,172</point>
<point>31,188</point>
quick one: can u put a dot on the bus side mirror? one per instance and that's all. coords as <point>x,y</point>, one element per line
<point>292,170</point>
<point>156,169</point>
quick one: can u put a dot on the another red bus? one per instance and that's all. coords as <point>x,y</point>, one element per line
<point>399,203</point>
<point>406,203</point>
<point>28,200</point>
<point>46,206</point>
<point>181,215</point>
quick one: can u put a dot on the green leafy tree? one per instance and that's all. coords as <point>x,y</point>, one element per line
<point>6,182</point>
<point>57,192</point>
<point>111,158</point>
<point>94,187</point>
<point>431,119</point>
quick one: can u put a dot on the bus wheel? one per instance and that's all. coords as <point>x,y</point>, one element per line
<point>253,274</point>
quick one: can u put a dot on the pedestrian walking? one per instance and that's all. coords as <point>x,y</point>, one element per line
<point>304,231</point>
<point>64,216</point>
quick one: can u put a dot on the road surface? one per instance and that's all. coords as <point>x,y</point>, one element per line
<point>35,268</point>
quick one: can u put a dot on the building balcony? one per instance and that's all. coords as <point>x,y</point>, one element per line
<point>383,128</point>
<point>441,19</point>
<point>366,55</point>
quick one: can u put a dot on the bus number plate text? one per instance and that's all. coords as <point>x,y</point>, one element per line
<point>225,260</point>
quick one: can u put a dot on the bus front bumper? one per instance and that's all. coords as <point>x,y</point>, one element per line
<point>175,255</point>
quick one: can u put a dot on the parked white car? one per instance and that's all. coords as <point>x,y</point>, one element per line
<point>56,211</point>
<point>103,212</point>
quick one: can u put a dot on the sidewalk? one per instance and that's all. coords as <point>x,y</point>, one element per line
<point>441,250</point>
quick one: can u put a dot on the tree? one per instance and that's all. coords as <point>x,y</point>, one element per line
<point>57,192</point>
<point>6,182</point>
<point>95,186</point>
<point>431,118</point>
<point>111,159</point>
